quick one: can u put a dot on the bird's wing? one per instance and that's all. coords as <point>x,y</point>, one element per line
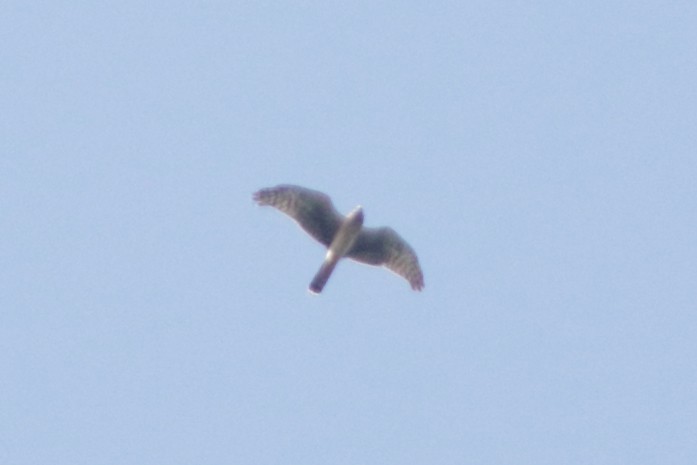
<point>311,209</point>
<point>383,246</point>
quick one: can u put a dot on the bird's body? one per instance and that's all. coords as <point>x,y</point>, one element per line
<point>343,236</point>
<point>343,240</point>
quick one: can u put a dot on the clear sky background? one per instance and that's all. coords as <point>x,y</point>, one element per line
<point>541,158</point>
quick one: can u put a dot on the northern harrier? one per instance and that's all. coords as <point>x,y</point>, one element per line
<point>343,236</point>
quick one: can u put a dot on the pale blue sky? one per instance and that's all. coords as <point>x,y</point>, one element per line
<point>541,157</point>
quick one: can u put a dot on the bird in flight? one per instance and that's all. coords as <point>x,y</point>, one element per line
<point>344,236</point>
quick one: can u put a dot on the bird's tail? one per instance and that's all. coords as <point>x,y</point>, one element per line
<point>322,276</point>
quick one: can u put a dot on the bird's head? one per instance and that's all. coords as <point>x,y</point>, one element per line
<point>356,215</point>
